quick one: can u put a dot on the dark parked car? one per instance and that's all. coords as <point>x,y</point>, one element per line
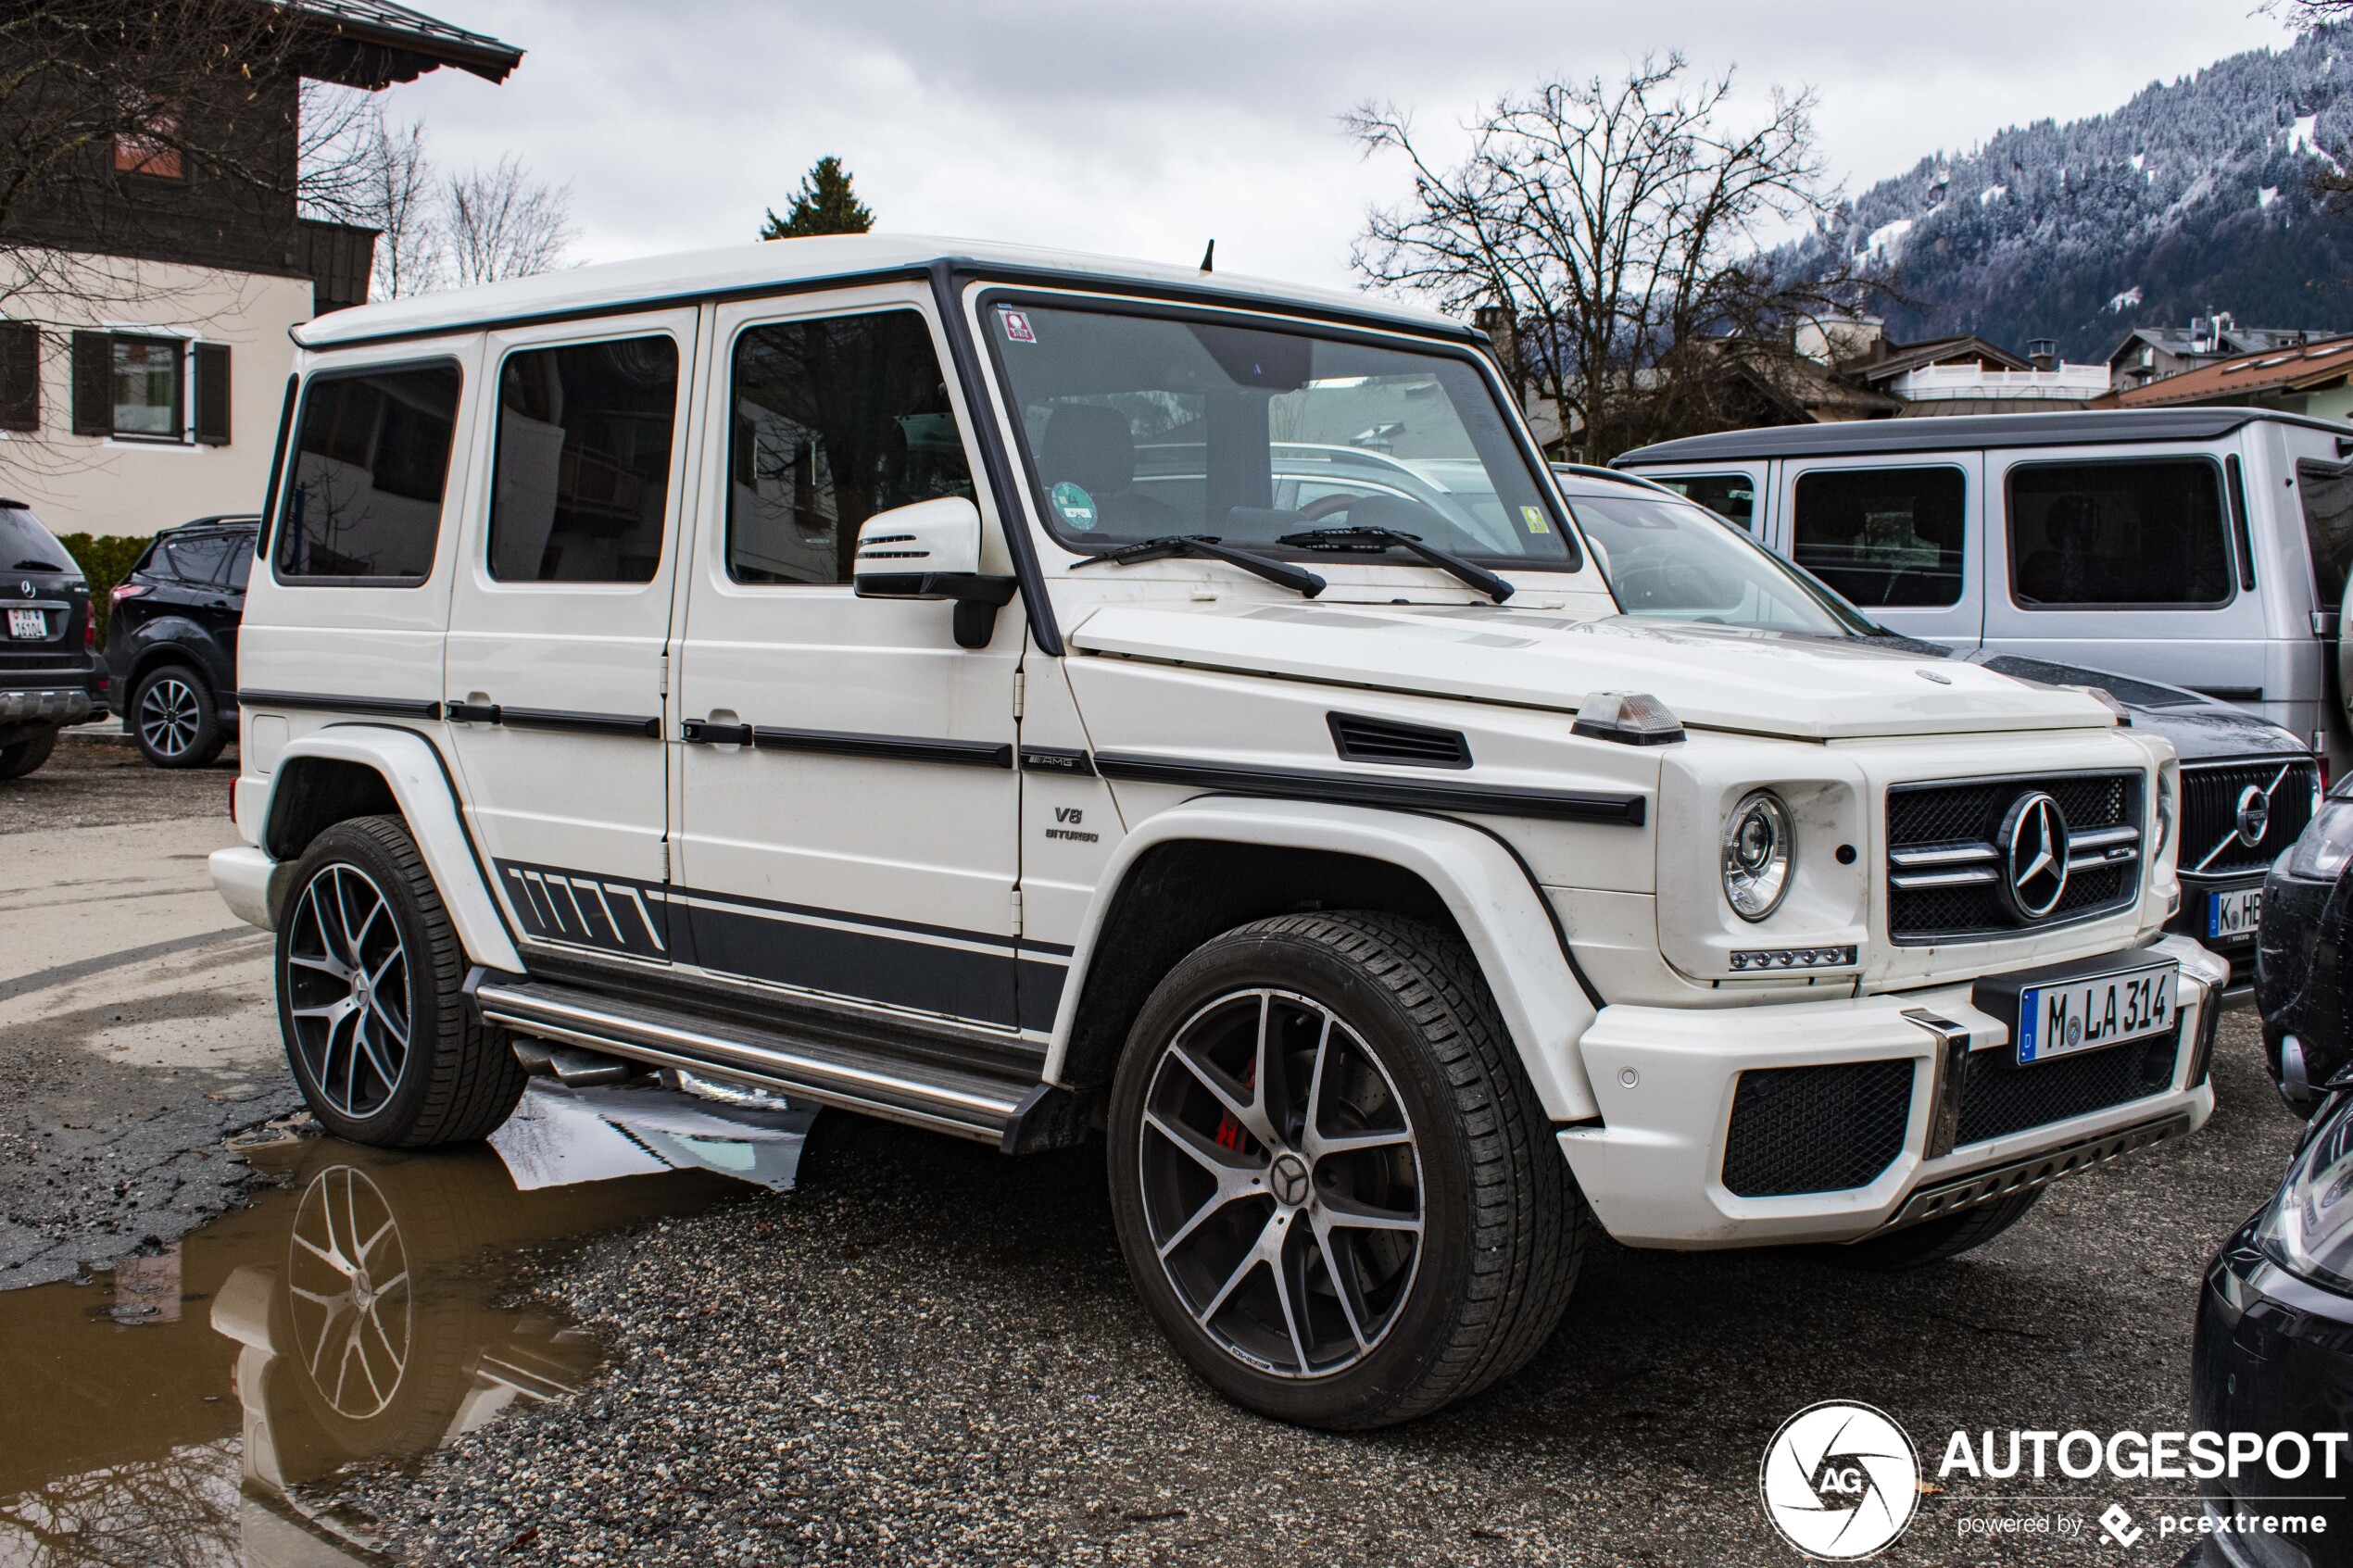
<point>2249,786</point>
<point>2273,1354</point>
<point>50,675</point>
<point>2303,986</point>
<point>172,639</point>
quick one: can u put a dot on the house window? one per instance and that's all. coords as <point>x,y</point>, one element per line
<point>152,151</point>
<point>147,384</point>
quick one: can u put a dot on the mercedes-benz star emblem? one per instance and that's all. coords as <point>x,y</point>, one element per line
<point>24,587</point>
<point>1288,1179</point>
<point>2033,845</point>
<point>2254,815</point>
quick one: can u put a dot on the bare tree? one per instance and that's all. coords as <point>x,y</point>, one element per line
<point>1619,227</point>
<point>500,223</point>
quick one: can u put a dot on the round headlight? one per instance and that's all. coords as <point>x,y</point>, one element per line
<point>1758,843</point>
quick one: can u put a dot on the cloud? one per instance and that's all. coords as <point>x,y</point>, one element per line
<point>1145,131</point>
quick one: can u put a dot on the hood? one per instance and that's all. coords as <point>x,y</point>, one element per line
<point>1716,678</point>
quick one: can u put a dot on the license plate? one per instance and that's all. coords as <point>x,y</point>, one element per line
<point>27,624</point>
<point>2234,913</point>
<point>2104,1010</point>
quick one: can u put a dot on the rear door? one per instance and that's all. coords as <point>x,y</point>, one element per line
<point>2130,559</point>
<point>1900,537</point>
<point>557,664</point>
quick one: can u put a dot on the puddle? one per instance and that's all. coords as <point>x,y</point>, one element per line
<point>197,1405</point>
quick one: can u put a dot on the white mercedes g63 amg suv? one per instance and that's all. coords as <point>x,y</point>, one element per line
<point>1021,693</point>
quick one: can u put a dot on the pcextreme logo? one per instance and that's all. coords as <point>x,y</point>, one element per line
<point>1840,1481</point>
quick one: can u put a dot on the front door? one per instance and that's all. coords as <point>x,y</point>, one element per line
<point>555,672</point>
<point>848,802</point>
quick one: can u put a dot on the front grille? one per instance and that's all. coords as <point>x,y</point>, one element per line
<point>1816,1129</point>
<point>1944,869</point>
<point>1998,1097</point>
<point>2210,844</point>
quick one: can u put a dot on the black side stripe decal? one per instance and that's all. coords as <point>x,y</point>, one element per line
<point>611,914</point>
<point>320,702</point>
<point>897,749</point>
<point>1360,789</point>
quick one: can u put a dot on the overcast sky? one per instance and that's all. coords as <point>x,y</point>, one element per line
<point>1100,125</point>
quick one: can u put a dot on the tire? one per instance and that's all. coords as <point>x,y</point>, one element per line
<point>26,756</point>
<point>399,1062</point>
<point>175,719</point>
<point>1935,1240</point>
<point>1427,1174</point>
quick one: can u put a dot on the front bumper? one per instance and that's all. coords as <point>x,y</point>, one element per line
<point>2272,1353</point>
<point>1653,1167</point>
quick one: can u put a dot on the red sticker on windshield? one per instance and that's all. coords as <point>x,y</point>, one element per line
<point>1017,328</point>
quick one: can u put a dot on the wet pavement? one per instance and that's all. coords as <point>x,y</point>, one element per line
<point>208,1401</point>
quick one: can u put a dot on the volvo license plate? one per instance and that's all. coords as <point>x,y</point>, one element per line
<point>2234,913</point>
<point>28,624</point>
<point>2096,1010</point>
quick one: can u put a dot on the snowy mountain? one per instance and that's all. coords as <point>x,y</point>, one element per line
<point>2192,197</point>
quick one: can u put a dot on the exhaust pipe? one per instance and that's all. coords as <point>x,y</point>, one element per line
<point>571,1066</point>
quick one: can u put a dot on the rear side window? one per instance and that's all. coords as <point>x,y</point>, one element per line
<point>1729,495</point>
<point>2117,535</point>
<point>364,506</point>
<point>2327,489</point>
<point>582,484</point>
<point>834,420</point>
<point>200,559</point>
<point>1884,537</point>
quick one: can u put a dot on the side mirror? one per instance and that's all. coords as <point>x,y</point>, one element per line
<point>931,550</point>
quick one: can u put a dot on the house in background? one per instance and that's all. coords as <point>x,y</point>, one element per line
<point>2308,377</point>
<point>149,391</point>
<point>2151,354</point>
<point>1963,374</point>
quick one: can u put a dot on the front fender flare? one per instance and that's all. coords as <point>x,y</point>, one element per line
<point>1484,886</point>
<point>422,786</point>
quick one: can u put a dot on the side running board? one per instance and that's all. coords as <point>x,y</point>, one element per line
<point>973,1104</point>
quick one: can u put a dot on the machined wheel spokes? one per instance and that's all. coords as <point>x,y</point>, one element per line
<point>1281,1182</point>
<point>347,990</point>
<point>169,716</point>
<point>349,1289</point>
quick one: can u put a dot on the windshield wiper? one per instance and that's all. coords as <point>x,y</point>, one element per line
<point>1206,546</point>
<point>1356,536</point>
<point>29,565</point>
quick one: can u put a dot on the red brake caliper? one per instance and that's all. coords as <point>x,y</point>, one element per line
<point>1230,1132</point>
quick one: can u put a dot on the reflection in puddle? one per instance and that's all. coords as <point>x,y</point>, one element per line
<point>201,1411</point>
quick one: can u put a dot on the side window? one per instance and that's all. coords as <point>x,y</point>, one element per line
<point>363,503</point>
<point>1884,537</point>
<point>1731,496</point>
<point>2327,489</point>
<point>199,561</point>
<point>2116,535</point>
<point>832,420</point>
<point>240,562</point>
<point>583,478</point>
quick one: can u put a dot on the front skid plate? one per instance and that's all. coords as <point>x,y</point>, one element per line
<point>2022,1175</point>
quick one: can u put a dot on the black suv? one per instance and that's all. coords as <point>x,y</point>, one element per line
<point>172,639</point>
<point>50,675</point>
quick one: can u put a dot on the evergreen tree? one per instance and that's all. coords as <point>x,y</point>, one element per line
<point>824,205</point>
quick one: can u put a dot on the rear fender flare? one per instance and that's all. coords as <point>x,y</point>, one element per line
<point>422,786</point>
<point>1493,900</point>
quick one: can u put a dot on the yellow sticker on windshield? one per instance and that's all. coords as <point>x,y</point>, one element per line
<point>1535,519</point>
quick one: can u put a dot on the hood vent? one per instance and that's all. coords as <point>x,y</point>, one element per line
<point>1358,739</point>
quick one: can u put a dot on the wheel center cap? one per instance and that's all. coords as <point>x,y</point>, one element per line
<point>1288,1179</point>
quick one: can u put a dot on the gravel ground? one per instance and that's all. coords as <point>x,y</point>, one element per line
<point>929,1354</point>
<point>97,779</point>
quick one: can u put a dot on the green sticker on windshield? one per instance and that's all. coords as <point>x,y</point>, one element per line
<point>1535,520</point>
<point>1074,507</point>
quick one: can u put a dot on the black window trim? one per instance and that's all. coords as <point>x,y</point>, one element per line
<point>2136,459</point>
<point>943,347</point>
<point>293,425</point>
<point>1278,318</point>
<point>1804,469</point>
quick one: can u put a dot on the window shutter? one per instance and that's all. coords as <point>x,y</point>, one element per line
<point>93,383</point>
<point>19,376</point>
<point>212,393</point>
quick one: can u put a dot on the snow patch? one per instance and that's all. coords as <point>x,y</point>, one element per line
<point>1887,241</point>
<point>2299,135</point>
<point>2125,301</point>
<point>2140,162</point>
<point>1991,193</point>
<point>2266,196</point>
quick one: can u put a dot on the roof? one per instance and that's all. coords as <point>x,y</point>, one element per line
<point>373,43</point>
<point>2179,341</point>
<point>782,265</point>
<point>1965,432</point>
<point>2284,369</point>
<point>1903,357</point>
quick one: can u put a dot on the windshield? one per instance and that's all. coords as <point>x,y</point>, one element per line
<point>1140,426</point>
<point>27,545</point>
<point>1678,561</point>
